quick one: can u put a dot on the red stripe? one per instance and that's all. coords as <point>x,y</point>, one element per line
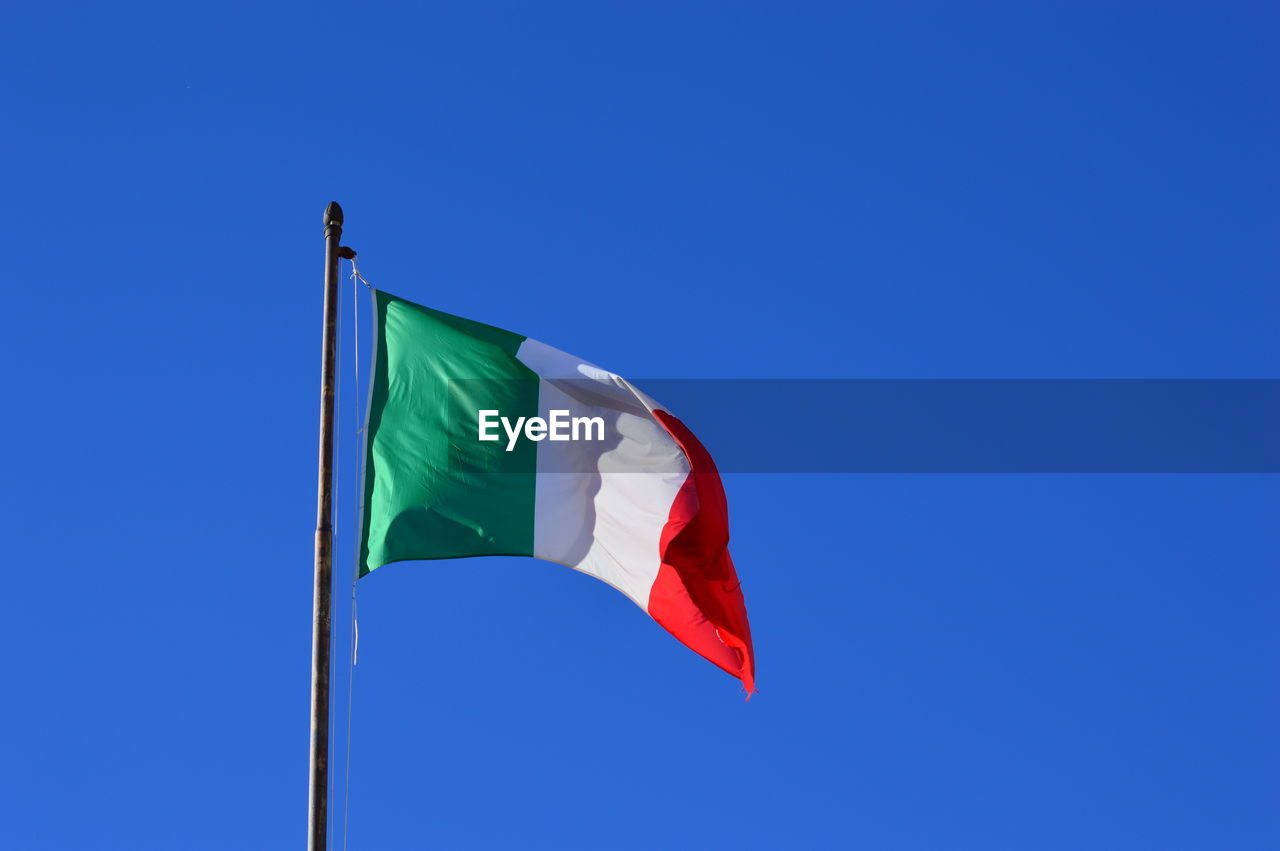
<point>696,595</point>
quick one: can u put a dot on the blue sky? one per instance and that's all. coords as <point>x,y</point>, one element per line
<point>680,190</point>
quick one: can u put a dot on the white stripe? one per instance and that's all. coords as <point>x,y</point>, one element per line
<point>601,506</point>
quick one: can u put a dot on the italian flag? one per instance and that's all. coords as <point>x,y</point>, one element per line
<point>624,492</point>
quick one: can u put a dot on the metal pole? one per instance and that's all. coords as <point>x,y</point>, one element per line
<point>322,606</point>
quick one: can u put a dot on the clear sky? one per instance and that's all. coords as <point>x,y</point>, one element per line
<point>683,190</point>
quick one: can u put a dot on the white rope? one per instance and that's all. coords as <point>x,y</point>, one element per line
<point>355,626</point>
<point>355,275</point>
<point>355,298</point>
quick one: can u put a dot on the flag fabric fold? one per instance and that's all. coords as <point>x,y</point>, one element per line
<point>638,503</point>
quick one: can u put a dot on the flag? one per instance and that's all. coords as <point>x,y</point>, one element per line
<point>480,441</point>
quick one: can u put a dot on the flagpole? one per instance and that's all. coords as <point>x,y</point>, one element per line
<point>322,605</point>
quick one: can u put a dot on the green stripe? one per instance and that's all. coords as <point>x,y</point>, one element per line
<point>431,490</point>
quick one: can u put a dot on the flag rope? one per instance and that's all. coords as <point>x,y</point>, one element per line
<point>354,637</point>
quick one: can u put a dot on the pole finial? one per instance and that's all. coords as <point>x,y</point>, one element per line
<point>333,214</point>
